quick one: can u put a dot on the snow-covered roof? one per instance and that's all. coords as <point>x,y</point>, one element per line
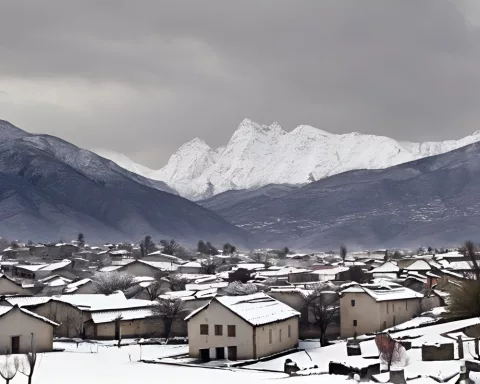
<point>387,267</point>
<point>87,302</point>
<point>55,281</point>
<point>192,264</point>
<point>4,309</point>
<point>110,268</point>
<point>256,309</point>
<point>201,287</point>
<point>419,265</point>
<point>125,314</point>
<point>32,267</point>
<point>55,266</point>
<point>251,266</point>
<point>79,283</point>
<point>296,290</point>
<point>119,252</point>
<point>460,265</point>
<point>162,265</point>
<point>98,302</point>
<point>26,301</point>
<point>331,271</point>
<point>384,292</point>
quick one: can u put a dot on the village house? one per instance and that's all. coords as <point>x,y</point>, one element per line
<point>374,307</point>
<point>73,311</point>
<point>190,267</point>
<point>19,325</point>
<point>159,256</point>
<point>388,270</point>
<point>125,323</point>
<point>16,253</point>
<point>242,327</point>
<point>143,268</point>
<point>11,287</point>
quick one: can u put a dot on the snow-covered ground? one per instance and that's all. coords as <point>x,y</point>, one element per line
<point>103,362</point>
<point>120,366</point>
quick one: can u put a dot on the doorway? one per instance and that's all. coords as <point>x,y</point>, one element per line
<point>205,354</point>
<point>220,353</point>
<point>15,345</point>
<point>232,353</point>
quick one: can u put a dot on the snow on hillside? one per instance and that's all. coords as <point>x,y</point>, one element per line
<point>258,155</point>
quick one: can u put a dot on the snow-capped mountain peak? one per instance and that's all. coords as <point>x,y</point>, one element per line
<point>257,155</point>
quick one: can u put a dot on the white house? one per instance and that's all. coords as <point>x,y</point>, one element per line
<point>18,326</point>
<point>374,307</point>
<point>242,327</point>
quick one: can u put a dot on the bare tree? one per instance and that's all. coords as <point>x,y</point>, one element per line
<point>464,299</point>
<point>109,282</point>
<point>168,311</point>
<point>155,289</point>
<point>257,257</point>
<point>169,247</point>
<point>147,246</point>
<point>343,252</point>
<point>229,249</point>
<point>9,367</point>
<point>390,351</point>
<point>81,239</point>
<point>209,266</point>
<point>176,282</point>
<point>469,251</point>
<point>237,288</point>
<point>27,364</point>
<point>322,308</point>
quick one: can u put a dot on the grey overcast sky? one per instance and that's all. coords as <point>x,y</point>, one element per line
<point>143,77</point>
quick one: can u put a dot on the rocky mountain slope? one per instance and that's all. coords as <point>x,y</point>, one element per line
<point>50,189</point>
<point>259,155</point>
<point>431,201</point>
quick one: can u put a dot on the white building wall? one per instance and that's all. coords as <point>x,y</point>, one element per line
<point>17,323</point>
<point>217,314</point>
<point>279,341</point>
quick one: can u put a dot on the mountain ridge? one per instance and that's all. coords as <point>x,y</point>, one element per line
<point>427,201</point>
<point>258,155</point>
<point>51,189</point>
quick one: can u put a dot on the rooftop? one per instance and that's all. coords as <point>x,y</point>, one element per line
<point>256,309</point>
<point>384,292</point>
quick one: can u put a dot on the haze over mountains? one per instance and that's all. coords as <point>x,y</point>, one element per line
<point>51,189</point>
<point>259,155</point>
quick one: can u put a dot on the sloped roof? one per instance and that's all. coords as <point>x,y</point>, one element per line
<point>6,309</point>
<point>387,267</point>
<point>124,314</point>
<point>86,302</point>
<point>55,266</point>
<point>384,292</point>
<point>256,309</point>
<point>419,265</point>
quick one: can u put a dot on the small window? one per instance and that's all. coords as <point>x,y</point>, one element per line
<point>353,303</point>
<point>406,305</point>
<point>270,336</point>
<point>280,335</point>
<point>393,307</point>
<point>231,331</point>
<point>289,331</point>
<point>354,323</point>
<point>203,329</point>
<point>218,330</point>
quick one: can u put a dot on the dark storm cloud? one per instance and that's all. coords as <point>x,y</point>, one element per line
<point>143,77</point>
